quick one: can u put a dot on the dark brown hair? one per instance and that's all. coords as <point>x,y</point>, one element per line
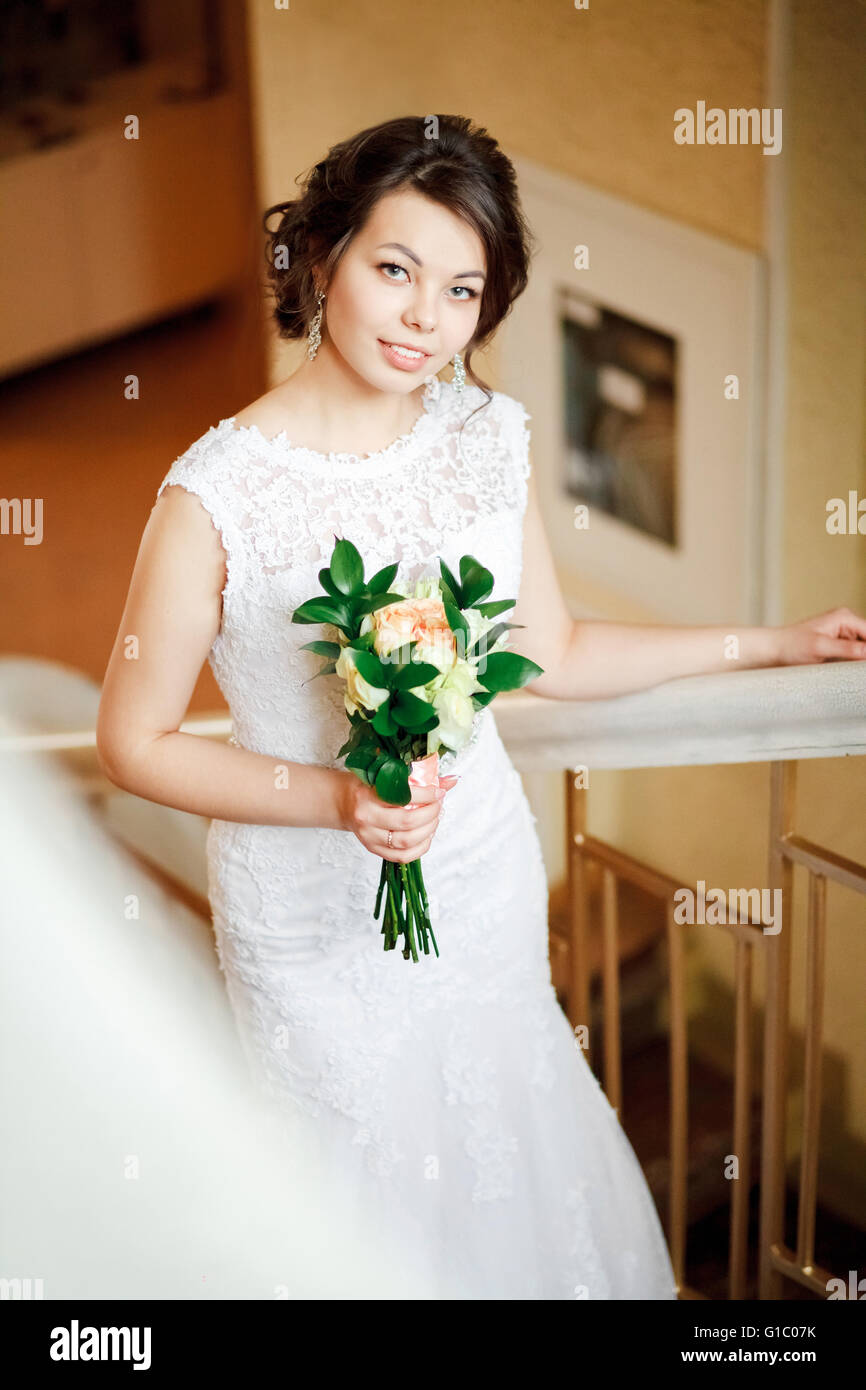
<point>444,157</point>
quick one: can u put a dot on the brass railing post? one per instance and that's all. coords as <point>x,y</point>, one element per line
<point>783,784</point>
<point>679,1093</point>
<point>578,902</point>
<point>815,954</point>
<point>742,1141</point>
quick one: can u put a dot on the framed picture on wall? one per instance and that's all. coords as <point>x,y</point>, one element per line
<point>619,399</point>
<point>636,350</point>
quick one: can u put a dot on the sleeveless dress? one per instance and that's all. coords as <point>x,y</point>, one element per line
<point>449,1097</point>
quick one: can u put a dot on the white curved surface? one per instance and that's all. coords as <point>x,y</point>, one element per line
<point>136,1162</point>
<point>55,706</point>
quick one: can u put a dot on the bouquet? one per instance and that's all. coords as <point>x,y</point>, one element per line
<point>417,668</point>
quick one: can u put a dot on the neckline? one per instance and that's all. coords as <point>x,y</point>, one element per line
<point>359,463</point>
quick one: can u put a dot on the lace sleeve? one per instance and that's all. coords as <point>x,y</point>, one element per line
<point>199,473</point>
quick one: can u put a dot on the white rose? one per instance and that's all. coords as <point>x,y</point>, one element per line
<point>427,588</point>
<point>456,716</point>
<point>359,693</point>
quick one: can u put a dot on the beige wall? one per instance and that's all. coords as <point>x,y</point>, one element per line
<point>826,414</point>
<point>592,94</point>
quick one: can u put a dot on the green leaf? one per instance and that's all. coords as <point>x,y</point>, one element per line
<point>392,782</point>
<point>413,713</point>
<point>381,758</point>
<point>370,603</point>
<point>415,673</point>
<point>455,590</point>
<point>492,610</point>
<point>507,671</point>
<point>361,737</point>
<point>347,567</point>
<point>323,610</point>
<point>361,757</point>
<point>383,720</point>
<point>456,620</point>
<point>488,638</point>
<point>495,609</point>
<point>447,595</point>
<point>483,697</point>
<point>328,584</point>
<point>327,670</point>
<point>383,579</point>
<point>407,669</point>
<point>420,729</point>
<point>399,656</point>
<point>331,649</point>
<point>477,581</point>
<point>372,669</point>
<point>354,738</point>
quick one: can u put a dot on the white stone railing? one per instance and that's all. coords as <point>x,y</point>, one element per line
<point>736,717</point>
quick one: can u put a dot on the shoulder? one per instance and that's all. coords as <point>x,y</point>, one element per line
<point>515,417</point>
<point>274,413</point>
<point>502,418</point>
<point>211,466</point>
<point>209,470</point>
<point>487,406</point>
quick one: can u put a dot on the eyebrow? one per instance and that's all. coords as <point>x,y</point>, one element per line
<point>398,246</point>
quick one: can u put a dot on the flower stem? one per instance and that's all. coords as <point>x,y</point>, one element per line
<point>382,879</point>
<point>410,916</point>
<point>398,902</point>
<point>422,891</point>
<point>390,924</point>
<point>412,890</point>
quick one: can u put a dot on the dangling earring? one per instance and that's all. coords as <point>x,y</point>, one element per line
<point>459,378</point>
<point>315,333</point>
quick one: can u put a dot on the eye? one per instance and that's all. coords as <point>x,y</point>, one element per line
<point>393,265</point>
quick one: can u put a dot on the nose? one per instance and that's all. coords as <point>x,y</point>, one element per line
<point>421,314</point>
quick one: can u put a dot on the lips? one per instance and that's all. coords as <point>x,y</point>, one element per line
<point>410,347</point>
<point>400,359</point>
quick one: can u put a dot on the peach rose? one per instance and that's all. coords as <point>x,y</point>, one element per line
<point>420,620</point>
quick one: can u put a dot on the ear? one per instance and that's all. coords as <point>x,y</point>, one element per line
<point>317,268</point>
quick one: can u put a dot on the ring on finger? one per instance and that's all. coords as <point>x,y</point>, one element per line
<point>390,839</point>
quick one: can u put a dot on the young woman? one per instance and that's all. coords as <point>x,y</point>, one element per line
<point>449,1095</point>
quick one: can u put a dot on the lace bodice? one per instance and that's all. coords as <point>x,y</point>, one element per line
<point>278,508</point>
<point>453,1084</point>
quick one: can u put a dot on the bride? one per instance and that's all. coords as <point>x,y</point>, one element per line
<point>448,1098</point>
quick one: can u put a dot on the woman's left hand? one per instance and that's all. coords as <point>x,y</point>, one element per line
<point>838,635</point>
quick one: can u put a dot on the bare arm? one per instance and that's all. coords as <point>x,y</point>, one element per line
<point>172,615</point>
<point>595,660</point>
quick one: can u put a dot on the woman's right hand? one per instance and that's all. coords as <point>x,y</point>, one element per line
<point>413,825</point>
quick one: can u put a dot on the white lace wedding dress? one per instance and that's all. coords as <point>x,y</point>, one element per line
<point>449,1095</point>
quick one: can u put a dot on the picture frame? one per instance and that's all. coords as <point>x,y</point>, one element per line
<point>658,282</point>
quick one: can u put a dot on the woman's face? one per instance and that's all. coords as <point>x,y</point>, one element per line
<point>413,276</point>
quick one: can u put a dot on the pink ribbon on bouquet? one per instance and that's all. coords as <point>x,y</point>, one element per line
<point>424,772</point>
